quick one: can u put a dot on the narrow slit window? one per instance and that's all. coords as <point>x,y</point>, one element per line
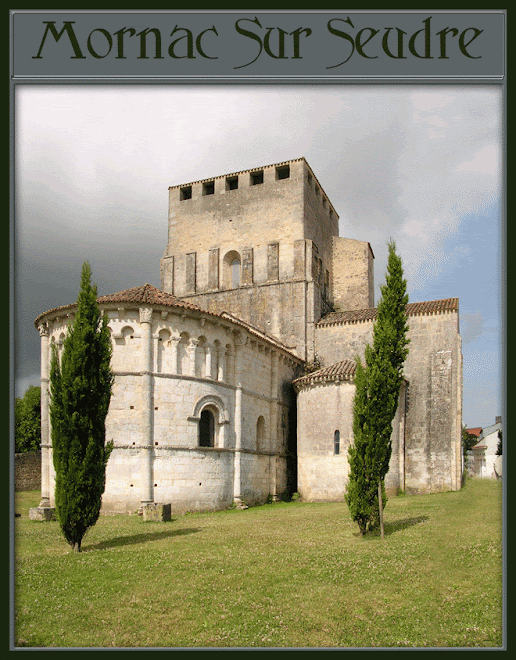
<point>336,443</point>
<point>260,434</point>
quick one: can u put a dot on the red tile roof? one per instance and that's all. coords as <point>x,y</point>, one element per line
<point>476,431</point>
<point>150,295</point>
<point>413,309</point>
<point>344,370</point>
<point>145,294</point>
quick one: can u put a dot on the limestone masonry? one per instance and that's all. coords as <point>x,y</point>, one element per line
<point>234,382</point>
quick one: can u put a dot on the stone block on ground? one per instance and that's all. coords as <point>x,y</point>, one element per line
<point>45,513</point>
<point>157,512</point>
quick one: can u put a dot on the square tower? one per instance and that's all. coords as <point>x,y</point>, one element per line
<point>258,244</point>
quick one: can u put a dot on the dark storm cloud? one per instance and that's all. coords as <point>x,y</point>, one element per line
<point>93,167</point>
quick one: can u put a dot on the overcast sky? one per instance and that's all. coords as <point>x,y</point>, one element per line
<point>422,165</point>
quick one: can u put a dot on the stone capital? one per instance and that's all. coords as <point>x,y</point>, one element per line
<point>145,314</point>
<point>43,330</point>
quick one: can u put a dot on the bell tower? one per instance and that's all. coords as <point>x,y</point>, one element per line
<point>258,244</point>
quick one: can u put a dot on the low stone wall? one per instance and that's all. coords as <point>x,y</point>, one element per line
<point>27,471</point>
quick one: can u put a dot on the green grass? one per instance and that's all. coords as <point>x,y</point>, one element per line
<point>281,575</point>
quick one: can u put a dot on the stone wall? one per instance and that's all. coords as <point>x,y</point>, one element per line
<point>262,252</point>
<point>256,224</point>
<point>170,365</point>
<point>433,370</point>
<point>188,478</point>
<point>353,278</point>
<point>278,309</point>
<point>27,471</point>
<point>321,225</point>
<point>324,409</point>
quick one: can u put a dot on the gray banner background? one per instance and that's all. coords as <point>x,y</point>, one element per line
<point>319,52</point>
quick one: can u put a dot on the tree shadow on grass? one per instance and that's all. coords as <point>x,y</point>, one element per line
<point>404,523</point>
<point>139,538</point>
<point>396,526</point>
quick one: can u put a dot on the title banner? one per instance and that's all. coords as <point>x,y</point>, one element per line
<point>226,46</point>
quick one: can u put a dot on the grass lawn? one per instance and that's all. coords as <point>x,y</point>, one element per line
<point>280,575</point>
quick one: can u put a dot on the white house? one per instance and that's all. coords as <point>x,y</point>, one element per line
<point>485,462</point>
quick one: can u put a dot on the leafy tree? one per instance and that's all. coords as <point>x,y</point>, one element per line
<point>499,448</point>
<point>27,421</point>
<point>468,440</point>
<point>80,387</point>
<point>378,385</point>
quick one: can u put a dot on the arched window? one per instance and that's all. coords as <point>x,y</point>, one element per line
<point>210,415</point>
<point>336,442</point>
<point>163,339</point>
<point>232,270</point>
<point>127,333</point>
<point>184,355</point>
<point>207,429</point>
<point>260,434</point>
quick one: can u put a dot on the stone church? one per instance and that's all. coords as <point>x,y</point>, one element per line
<point>234,381</point>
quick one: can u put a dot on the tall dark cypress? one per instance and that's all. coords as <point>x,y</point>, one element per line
<point>376,398</point>
<point>360,481</point>
<point>80,389</point>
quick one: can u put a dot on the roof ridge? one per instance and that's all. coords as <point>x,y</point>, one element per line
<point>342,370</point>
<point>148,294</point>
<point>370,313</point>
<point>145,294</point>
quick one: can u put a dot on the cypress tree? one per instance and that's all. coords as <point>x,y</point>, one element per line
<point>377,391</point>
<point>358,491</point>
<point>80,388</point>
